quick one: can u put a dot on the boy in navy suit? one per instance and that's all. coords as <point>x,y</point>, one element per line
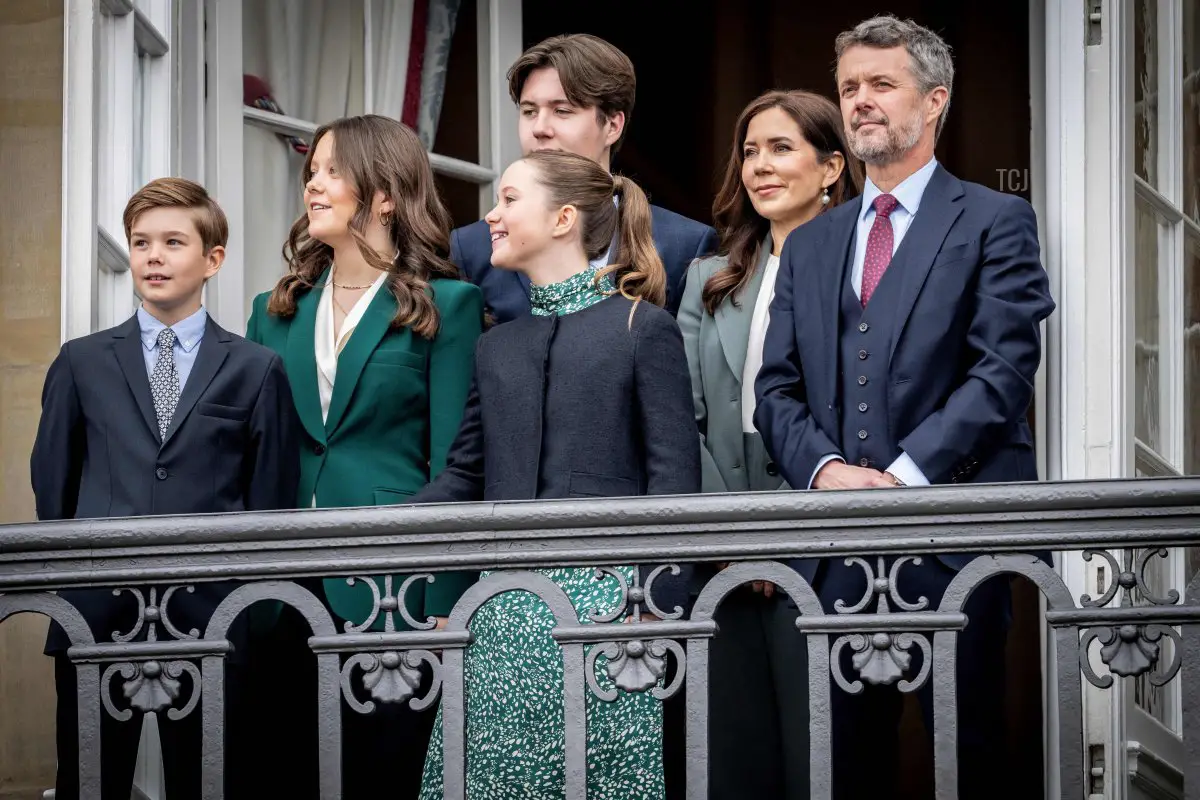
<point>574,93</point>
<point>167,413</point>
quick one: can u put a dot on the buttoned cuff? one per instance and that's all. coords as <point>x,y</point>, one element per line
<point>907,471</point>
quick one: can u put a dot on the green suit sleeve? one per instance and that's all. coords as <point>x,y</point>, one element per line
<point>451,365</point>
<point>253,332</point>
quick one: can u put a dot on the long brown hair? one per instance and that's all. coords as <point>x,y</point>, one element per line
<point>379,154</point>
<point>741,228</point>
<point>571,179</point>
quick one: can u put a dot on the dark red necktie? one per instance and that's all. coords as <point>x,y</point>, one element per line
<point>879,246</point>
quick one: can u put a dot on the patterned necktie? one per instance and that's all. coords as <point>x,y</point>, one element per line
<point>164,382</point>
<point>879,246</point>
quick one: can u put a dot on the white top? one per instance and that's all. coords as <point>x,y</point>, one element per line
<point>759,319</point>
<point>327,347</point>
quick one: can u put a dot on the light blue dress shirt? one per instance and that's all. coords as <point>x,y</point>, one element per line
<point>188,333</point>
<point>908,194</point>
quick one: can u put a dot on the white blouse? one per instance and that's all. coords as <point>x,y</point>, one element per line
<point>754,347</point>
<point>328,347</point>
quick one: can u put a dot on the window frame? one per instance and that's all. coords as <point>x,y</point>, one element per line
<point>105,43</point>
<point>1161,734</point>
<point>498,45</point>
<point>1166,203</point>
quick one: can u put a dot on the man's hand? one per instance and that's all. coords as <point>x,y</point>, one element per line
<point>840,475</point>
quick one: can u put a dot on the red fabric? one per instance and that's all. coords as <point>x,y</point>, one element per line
<point>416,62</point>
<point>879,246</point>
<point>254,87</point>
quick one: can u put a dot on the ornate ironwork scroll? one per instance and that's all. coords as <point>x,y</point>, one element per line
<point>883,657</point>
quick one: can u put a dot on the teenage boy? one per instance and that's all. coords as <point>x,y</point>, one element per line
<point>167,413</point>
<point>574,93</point>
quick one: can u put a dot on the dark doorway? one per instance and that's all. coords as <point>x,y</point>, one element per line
<point>700,61</point>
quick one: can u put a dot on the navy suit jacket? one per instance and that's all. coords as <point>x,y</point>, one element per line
<point>679,241</point>
<point>965,343</point>
<point>231,447</point>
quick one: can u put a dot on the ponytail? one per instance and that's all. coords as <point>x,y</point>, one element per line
<point>637,269</point>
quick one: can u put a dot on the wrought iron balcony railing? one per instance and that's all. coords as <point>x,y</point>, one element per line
<point>1127,523</point>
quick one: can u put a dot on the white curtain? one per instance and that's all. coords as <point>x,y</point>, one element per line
<point>391,40</point>
<point>439,32</point>
<point>310,54</point>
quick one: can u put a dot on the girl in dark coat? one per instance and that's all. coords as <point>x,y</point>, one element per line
<point>587,397</point>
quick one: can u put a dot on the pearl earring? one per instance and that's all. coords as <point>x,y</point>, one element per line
<point>825,196</point>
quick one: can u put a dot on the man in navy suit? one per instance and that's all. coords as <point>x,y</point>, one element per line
<point>902,348</point>
<point>167,413</point>
<point>575,93</point>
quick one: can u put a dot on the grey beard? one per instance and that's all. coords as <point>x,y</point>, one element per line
<point>898,142</point>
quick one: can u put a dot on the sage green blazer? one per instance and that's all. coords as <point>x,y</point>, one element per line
<point>731,461</point>
<point>397,403</point>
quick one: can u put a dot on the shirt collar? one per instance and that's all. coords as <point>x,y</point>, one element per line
<point>908,192</point>
<point>188,332</point>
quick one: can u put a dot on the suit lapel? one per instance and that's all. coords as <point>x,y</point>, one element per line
<point>127,346</point>
<point>214,349</point>
<point>733,321</point>
<point>937,213</point>
<point>370,329</point>
<point>300,359</point>
<point>838,253</point>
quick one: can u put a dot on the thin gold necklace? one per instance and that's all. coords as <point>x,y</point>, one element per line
<point>352,288</point>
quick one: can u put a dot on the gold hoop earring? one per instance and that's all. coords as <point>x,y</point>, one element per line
<point>385,219</point>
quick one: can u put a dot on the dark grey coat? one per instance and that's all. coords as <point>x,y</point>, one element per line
<point>597,403</point>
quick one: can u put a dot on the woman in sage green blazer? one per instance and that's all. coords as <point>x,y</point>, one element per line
<point>788,164</point>
<point>378,338</point>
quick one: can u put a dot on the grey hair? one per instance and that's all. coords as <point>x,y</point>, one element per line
<point>928,53</point>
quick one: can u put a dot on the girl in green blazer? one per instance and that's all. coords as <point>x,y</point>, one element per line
<point>378,337</point>
<point>788,164</point>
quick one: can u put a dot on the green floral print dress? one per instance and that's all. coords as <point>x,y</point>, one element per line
<point>515,733</point>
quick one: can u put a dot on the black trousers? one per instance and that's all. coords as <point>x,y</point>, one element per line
<point>758,700</point>
<point>865,742</point>
<point>383,753</point>
<point>180,740</point>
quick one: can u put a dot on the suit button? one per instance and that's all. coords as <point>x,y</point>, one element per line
<point>863,407</point>
<point>772,469</point>
<point>862,355</point>
<point>862,380</point>
<point>862,434</point>
<point>161,473</point>
<point>863,327</point>
<point>319,449</point>
<point>864,462</point>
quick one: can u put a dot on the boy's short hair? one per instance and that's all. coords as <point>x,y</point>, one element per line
<point>593,73</point>
<point>207,215</point>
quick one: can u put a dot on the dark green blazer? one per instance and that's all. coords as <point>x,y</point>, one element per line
<point>397,404</point>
